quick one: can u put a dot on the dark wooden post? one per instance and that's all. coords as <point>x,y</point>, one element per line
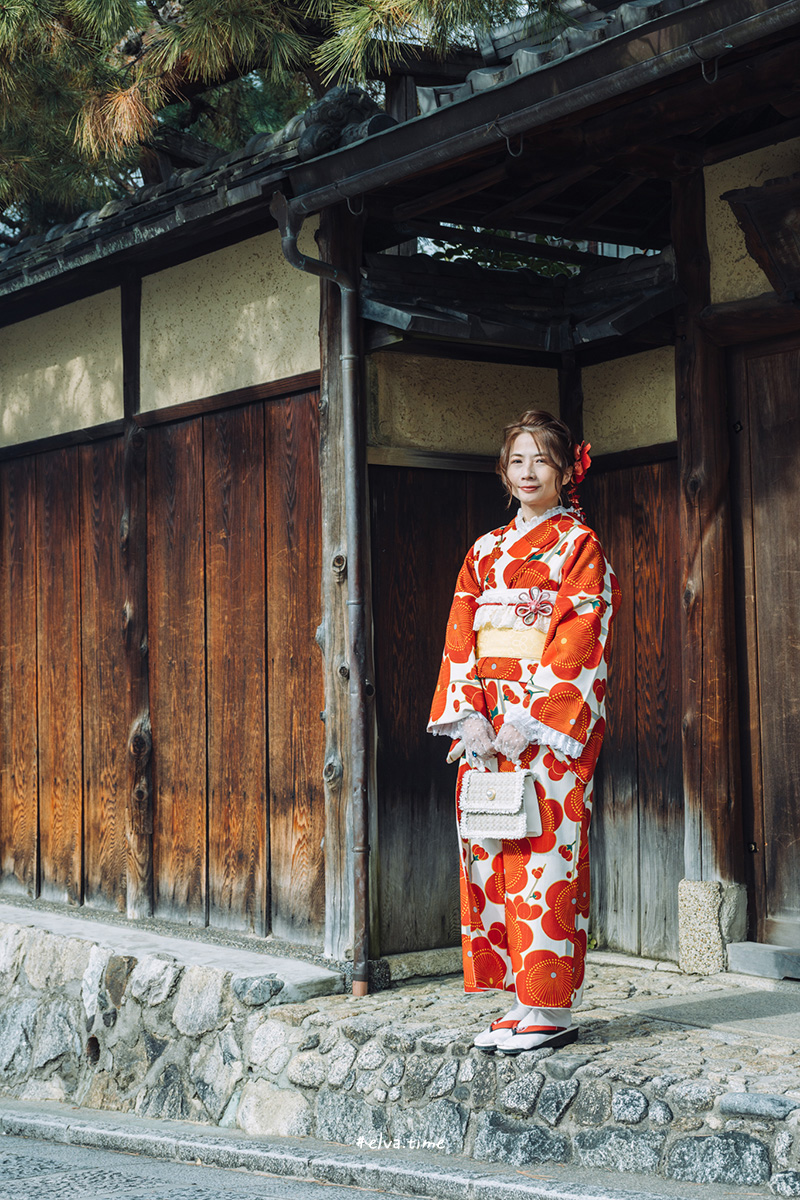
<point>133,543</point>
<point>710,727</point>
<point>339,240</point>
<point>570,394</point>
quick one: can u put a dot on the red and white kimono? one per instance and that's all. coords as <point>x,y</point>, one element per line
<point>543,589</point>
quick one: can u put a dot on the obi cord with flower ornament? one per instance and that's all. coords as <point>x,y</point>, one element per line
<point>526,643</point>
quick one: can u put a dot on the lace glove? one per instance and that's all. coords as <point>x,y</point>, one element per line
<point>511,742</point>
<point>476,733</point>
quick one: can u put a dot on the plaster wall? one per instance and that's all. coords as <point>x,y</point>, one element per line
<point>734,274</point>
<point>62,370</point>
<point>228,320</point>
<point>458,407</point>
<point>630,402</point>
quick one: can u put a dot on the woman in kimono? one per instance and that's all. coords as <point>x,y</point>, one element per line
<point>522,682</point>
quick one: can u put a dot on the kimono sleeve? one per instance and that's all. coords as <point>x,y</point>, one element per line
<point>567,688</point>
<point>458,693</point>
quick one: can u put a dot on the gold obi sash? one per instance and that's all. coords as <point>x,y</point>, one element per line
<point>510,643</point>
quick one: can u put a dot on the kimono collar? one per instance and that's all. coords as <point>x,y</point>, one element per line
<point>523,525</point>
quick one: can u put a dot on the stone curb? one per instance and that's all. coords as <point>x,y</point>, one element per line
<point>307,1159</point>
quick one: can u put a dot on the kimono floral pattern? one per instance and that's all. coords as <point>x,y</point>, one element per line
<point>525,904</point>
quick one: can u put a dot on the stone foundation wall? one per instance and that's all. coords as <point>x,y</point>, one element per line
<point>82,1024</point>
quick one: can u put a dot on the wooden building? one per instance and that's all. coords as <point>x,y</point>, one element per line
<point>231,514</point>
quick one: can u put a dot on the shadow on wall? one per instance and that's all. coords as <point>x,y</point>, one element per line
<point>62,370</point>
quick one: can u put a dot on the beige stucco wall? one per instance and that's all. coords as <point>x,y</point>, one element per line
<point>630,402</point>
<point>228,320</point>
<point>734,274</point>
<point>460,407</point>
<point>62,370</point>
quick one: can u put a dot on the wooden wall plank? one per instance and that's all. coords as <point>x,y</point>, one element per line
<point>423,521</point>
<point>614,834</point>
<point>176,617</point>
<point>235,606</point>
<point>105,725</point>
<point>656,547</point>
<point>18,710</point>
<point>59,675</point>
<point>415,562</point>
<point>294,672</point>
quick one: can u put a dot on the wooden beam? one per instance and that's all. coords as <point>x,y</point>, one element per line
<point>751,320</point>
<point>467,186</point>
<point>605,204</point>
<point>133,557</point>
<point>752,141</point>
<point>540,194</point>
<point>711,773</point>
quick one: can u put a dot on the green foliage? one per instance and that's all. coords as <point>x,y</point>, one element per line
<point>85,84</point>
<point>503,260</point>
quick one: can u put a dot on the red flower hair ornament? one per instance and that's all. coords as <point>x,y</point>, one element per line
<point>582,463</point>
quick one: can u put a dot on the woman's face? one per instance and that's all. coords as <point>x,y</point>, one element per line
<point>532,477</point>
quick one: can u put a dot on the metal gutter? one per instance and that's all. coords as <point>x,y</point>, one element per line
<point>354,469</point>
<point>495,122</point>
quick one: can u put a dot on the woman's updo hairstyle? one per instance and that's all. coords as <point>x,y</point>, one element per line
<point>552,437</point>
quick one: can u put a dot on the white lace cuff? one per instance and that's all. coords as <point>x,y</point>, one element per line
<point>535,731</point>
<point>453,728</point>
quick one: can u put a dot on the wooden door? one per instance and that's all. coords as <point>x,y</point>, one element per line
<point>765,424</point>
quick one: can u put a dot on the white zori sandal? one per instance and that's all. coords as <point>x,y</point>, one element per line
<point>497,1032</point>
<point>536,1037</point>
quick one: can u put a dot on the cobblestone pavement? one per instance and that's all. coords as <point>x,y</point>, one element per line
<point>36,1171</point>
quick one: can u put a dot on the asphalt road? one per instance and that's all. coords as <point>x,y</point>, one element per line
<point>31,1170</point>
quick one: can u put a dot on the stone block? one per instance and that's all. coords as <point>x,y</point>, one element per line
<point>266,1039</point>
<point>56,1034</point>
<point>500,1139</point>
<point>444,1080</point>
<point>520,1097</point>
<point>770,962</point>
<point>692,1096</point>
<point>17,1024</point>
<point>215,1069</point>
<point>255,990</point>
<point>361,1029</point>
<point>620,1149</point>
<point>308,1070</point>
<point>278,1060</point>
<point>420,1070</point>
<point>756,1104</point>
<point>719,1158</point>
<point>733,913</point>
<point>12,945</point>
<point>440,1126</point>
<point>339,1064</point>
<point>555,1099</point>
<point>564,1066</point>
<point>153,979</point>
<point>785,1183</point>
<point>169,1097</point>
<point>700,946</point>
<point>593,1106</point>
<point>117,973</point>
<point>441,1040</point>
<point>350,1120</point>
<point>198,1008</point>
<point>310,1042</point>
<point>629,1106</point>
<point>45,1089</point>
<point>93,978</point>
<point>660,1113</point>
<point>392,1073</point>
<point>371,1056</point>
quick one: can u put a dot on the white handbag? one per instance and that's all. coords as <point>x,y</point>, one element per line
<point>499,804</point>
